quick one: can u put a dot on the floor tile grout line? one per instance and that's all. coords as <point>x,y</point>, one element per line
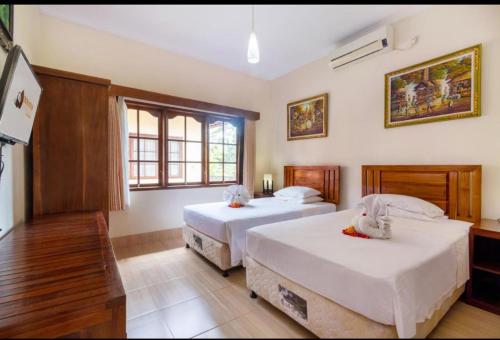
<point>175,304</point>
<point>164,281</point>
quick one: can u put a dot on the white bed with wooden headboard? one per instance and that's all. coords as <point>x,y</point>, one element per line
<point>341,286</point>
<point>218,232</point>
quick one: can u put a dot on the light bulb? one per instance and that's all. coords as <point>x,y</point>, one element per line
<point>253,49</point>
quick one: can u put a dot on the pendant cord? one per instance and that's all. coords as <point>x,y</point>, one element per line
<point>253,15</point>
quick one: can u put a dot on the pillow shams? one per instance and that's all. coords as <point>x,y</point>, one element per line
<point>312,199</point>
<point>297,192</point>
<point>405,203</point>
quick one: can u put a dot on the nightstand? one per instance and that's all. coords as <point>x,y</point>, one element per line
<point>483,288</point>
<point>261,195</point>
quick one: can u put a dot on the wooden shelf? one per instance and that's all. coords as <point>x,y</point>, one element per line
<point>487,266</point>
<point>483,288</point>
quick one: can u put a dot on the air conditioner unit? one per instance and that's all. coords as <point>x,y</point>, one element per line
<point>376,42</point>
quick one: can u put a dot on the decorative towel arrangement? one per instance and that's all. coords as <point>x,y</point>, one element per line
<point>236,195</point>
<point>373,221</point>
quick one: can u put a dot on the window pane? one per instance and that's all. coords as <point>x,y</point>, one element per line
<point>176,127</point>
<point>230,133</point>
<point>132,121</point>
<point>193,172</point>
<point>132,173</point>
<point>176,151</point>
<point>175,172</point>
<point>193,129</point>
<point>193,152</point>
<point>229,172</point>
<point>215,152</point>
<point>149,173</point>
<point>148,150</point>
<point>215,132</point>
<point>215,172</point>
<point>132,149</point>
<point>148,124</point>
<point>230,153</point>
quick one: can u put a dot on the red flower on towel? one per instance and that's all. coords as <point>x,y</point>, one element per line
<point>350,231</point>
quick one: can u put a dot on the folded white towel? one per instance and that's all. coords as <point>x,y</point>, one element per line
<point>236,194</point>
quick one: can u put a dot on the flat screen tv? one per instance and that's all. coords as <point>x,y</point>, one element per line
<point>19,96</point>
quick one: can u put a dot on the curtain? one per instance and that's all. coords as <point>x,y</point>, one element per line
<point>119,198</point>
<point>249,156</point>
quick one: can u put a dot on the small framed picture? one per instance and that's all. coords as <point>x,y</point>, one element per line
<point>308,118</point>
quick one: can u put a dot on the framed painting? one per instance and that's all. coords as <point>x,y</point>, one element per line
<point>443,88</point>
<point>308,118</point>
<point>6,25</point>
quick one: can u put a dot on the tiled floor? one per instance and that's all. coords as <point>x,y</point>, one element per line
<point>176,293</point>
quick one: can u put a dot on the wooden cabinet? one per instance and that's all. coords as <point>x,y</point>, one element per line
<point>483,289</point>
<point>60,279</point>
<point>70,144</point>
<point>262,194</point>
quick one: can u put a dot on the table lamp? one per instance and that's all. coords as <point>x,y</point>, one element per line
<point>267,184</point>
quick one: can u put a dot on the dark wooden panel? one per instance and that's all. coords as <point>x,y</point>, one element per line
<point>117,90</point>
<point>325,179</point>
<point>70,147</point>
<point>454,188</point>
<point>58,277</point>
<point>70,75</point>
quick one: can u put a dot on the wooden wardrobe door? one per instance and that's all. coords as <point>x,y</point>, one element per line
<point>70,147</point>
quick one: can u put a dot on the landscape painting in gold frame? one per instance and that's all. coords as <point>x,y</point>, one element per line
<point>443,88</point>
<point>308,118</point>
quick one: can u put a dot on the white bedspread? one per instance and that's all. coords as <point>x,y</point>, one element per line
<point>400,281</point>
<point>229,225</point>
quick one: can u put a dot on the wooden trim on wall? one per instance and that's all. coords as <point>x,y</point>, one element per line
<point>129,92</point>
<point>70,75</point>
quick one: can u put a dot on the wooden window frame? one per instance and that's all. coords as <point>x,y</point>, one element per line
<point>164,113</point>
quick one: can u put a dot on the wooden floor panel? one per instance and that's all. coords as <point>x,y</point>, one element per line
<point>174,292</point>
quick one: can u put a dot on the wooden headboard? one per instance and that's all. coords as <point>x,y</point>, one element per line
<point>325,179</point>
<point>454,188</point>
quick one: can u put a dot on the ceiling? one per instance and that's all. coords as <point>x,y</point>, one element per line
<point>289,36</point>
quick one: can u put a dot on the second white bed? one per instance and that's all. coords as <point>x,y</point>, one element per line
<point>399,282</point>
<point>229,225</point>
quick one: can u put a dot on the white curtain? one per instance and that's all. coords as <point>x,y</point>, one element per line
<point>123,119</point>
<point>249,156</point>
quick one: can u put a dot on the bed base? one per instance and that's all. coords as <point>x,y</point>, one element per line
<point>213,250</point>
<point>322,316</point>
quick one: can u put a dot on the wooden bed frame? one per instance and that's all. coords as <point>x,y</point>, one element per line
<point>324,178</point>
<point>455,188</point>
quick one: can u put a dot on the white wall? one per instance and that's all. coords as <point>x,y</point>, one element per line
<point>13,191</point>
<point>76,48</point>
<point>356,110</point>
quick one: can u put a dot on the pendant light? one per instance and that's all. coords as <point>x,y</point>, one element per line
<point>253,56</point>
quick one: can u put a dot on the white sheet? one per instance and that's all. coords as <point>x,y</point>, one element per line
<point>400,281</point>
<point>229,225</point>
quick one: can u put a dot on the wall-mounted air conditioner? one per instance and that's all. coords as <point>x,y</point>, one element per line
<point>376,42</point>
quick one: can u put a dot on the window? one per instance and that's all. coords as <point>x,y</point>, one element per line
<point>144,147</point>
<point>175,148</point>
<point>185,149</point>
<point>222,151</point>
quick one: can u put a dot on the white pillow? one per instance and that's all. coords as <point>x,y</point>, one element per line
<point>406,203</point>
<point>396,212</point>
<point>306,200</point>
<point>297,192</point>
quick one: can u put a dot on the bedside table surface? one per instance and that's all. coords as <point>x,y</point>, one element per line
<point>487,225</point>
<point>261,194</point>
